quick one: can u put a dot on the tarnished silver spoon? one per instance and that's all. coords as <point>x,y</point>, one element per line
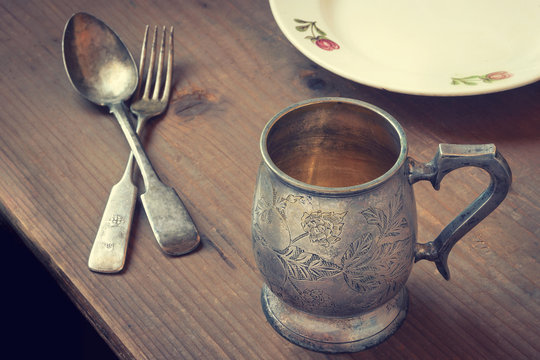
<point>102,70</point>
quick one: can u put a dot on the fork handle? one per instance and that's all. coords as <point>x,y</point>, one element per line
<point>171,223</point>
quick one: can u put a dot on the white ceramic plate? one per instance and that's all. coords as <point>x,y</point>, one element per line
<point>425,47</point>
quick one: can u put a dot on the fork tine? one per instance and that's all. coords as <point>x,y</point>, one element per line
<point>159,72</point>
<point>150,66</point>
<point>142,63</point>
<point>168,78</point>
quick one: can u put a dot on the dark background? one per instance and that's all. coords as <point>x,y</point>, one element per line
<point>39,320</point>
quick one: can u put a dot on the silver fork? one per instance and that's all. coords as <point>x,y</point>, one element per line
<point>145,106</point>
<point>171,223</point>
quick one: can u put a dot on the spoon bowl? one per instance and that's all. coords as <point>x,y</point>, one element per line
<point>98,63</point>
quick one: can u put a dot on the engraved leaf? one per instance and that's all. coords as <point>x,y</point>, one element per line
<point>321,268</point>
<point>281,204</point>
<point>358,271</point>
<point>262,209</point>
<point>296,262</point>
<point>303,265</point>
<point>301,21</point>
<point>391,224</point>
<point>293,198</point>
<point>376,217</point>
<point>360,283</point>
<point>369,272</point>
<point>357,252</point>
<point>396,223</point>
<point>391,260</point>
<point>388,255</point>
<point>396,204</point>
<point>396,266</point>
<point>302,27</point>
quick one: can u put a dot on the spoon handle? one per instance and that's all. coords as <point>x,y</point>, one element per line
<point>108,252</point>
<point>171,223</point>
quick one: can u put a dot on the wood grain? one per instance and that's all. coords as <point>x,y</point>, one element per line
<point>60,155</point>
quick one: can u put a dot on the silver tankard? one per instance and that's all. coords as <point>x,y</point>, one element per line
<point>334,223</point>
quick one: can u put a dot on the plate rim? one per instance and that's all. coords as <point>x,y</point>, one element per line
<point>308,51</point>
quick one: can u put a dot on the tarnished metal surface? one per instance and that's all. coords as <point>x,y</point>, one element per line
<point>102,70</point>
<point>334,222</point>
<point>450,157</point>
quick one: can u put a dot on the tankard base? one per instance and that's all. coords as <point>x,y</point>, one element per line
<point>335,334</point>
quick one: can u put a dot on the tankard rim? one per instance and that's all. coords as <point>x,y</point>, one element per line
<point>334,190</point>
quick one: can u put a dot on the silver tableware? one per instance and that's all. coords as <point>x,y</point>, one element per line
<point>334,220</point>
<point>102,70</point>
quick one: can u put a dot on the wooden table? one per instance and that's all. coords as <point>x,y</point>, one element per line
<point>234,70</point>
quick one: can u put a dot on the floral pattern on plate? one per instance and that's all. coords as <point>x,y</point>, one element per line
<point>475,79</point>
<point>318,36</point>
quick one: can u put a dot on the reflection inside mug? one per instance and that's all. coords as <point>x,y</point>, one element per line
<point>333,144</point>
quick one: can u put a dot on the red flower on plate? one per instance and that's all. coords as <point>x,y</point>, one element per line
<point>498,75</point>
<point>326,44</point>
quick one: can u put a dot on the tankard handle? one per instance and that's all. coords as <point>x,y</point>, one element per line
<point>450,157</point>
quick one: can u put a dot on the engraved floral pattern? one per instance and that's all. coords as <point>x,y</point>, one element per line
<point>303,265</point>
<point>375,264</point>
<point>323,227</point>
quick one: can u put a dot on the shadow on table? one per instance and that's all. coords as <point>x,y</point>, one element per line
<point>41,321</point>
